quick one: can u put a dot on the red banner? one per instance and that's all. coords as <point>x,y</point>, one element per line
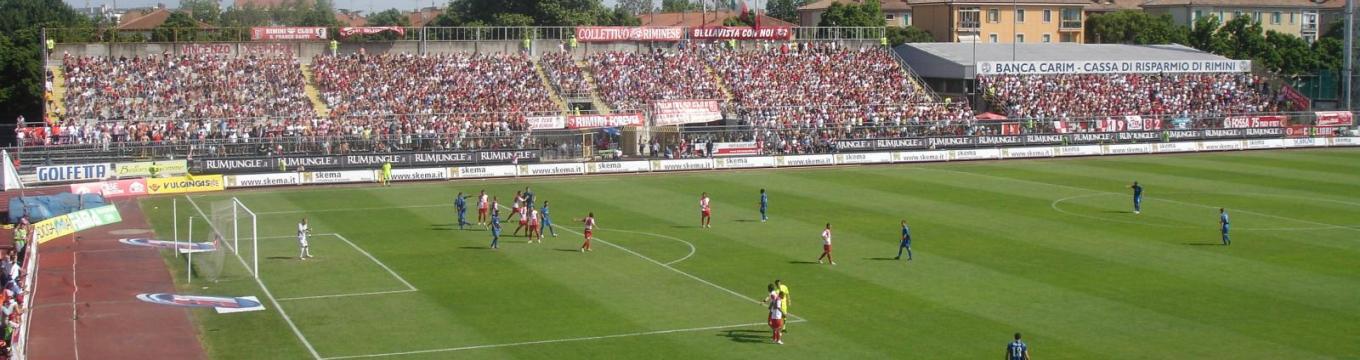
<point>741,33</point>
<point>1334,118</point>
<point>1294,96</point>
<point>626,33</point>
<point>1296,131</point>
<point>370,30</point>
<point>112,189</point>
<point>1253,121</point>
<point>287,33</point>
<point>1129,123</point>
<point>603,121</point>
<point>676,112</point>
<point>736,148</point>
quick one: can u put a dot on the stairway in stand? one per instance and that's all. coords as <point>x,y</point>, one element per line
<point>722,85</point>
<point>313,93</point>
<point>552,91</point>
<point>58,92</point>
<point>595,97</point>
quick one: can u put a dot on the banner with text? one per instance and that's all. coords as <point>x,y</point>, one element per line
<point>628,33</point>
<point>1110,67</point>
<point>184,184</point>
<point>143,168</point>
<point>742,33</point>
<point>676,112</point>
<point>75,172</point>
<point>346,32</point>
<point>736,148</point>
<point>1334,118</point>
<point>70,223</point>
<point>1253,121</point>
<point>112,189</point>
<point>603,121</point>
<point>545,122</point>
<point>287,33</point>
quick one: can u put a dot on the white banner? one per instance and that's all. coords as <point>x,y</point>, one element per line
<point>864,158</point>
<point>1110,67</point>
<point>1079,150</point>
<point>1220,145</point>
<point>1121,149</point>
<point>1177,147</point>
<point>921,156</point>
<point>420,174</point>
<point>255,180</point>
<point>1344,141</point>
<point>744,162</point>
<point>81,172</point>
<point>805,160</point>
<point>735,148</point>
<point>546,122</point>
<point>1028,152</point>
<point>975,154</point>
<point>618,167</point>
<point>687,164</point>
<point>676,112</point>
<point>333,177</point>
<point>484,171</point>
<point>552,169</point>
<point>1265,143</point>
<point>1304,142</point>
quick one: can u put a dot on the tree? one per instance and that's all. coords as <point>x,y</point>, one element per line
<point>540,13</point>
<point>868,14</point>
<point>679,6</point>
<point>180,26</point>
<point>1202,35</point>
<point>1289,54</point>
<point>1329,53</point>
<point>786,10</point>
<point>1134,27</point>
<point>21,69</point>
<point>636,7</point>
<point>747,18</point>
<point>207,11</point>
<point>1243,38</point>
<point>389,17</point>
<point>909,34</point>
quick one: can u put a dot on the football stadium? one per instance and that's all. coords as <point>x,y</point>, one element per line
<point>629,179</point>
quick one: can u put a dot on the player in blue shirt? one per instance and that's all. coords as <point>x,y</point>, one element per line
<point>906,242</point>
<point>528,198</point>
<point>764,204</point>
<point>495,228</point>
<point>547,221</point>
<point>1223,223</point>
<point>461,205</point>
<point>1137,198</point>
<point>1017,350</point>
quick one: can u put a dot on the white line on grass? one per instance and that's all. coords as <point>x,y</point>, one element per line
<point>347,295</point>
<point>263,288</point>
<point>380,263</point>
<point>691,245</point>
<point>354,209</point>
<point>658,332</point>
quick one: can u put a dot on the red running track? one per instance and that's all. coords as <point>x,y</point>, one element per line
<point>85,305</point>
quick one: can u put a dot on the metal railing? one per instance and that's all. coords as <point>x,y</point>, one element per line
<point>421,34</point>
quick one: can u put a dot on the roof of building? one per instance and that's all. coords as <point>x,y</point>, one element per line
<point>886,5</point>
<point>266,4</point>
<point>701,19</point>
<point>424,16</point>
<point>351,18</point>
<point>1249,3</point>
<point>956,60</point>
<point>1114,5</point>
<point>149,20</point>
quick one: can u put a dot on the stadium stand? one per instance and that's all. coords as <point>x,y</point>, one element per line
<point>629,80</point>
<point>1084,96</point>
<point>565,75</point>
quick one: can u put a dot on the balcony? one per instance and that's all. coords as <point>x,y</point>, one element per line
<point>966,25</point>
<point>1070,25</point>
<point>1309,28</point>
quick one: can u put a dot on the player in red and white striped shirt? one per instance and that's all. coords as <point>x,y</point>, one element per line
<point>826,245</point>
<point>589,233</point>
<point>535,233</point>
<point>705,218</point>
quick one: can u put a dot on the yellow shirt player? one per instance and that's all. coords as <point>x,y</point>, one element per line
<point>387,173</point>
<point>784,301</point>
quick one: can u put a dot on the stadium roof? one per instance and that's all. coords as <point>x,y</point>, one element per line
<point>956,60</point>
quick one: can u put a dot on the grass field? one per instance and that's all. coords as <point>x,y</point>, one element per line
<point>1044,247</point>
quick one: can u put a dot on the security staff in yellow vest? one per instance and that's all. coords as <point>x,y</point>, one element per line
<point>335,45</point>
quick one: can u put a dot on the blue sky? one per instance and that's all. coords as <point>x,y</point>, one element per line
<point>365,5</point>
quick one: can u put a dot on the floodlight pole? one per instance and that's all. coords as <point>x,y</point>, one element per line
<point>189,272</point>
<point>1348,70</point>
<point>174,208</point>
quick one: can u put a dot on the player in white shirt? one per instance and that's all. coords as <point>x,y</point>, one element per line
<point>517,208</point>
<point>535,233</point>
<point>303,233</point>
<point>481,208</point>
<point>826,245</point>
<point>776,314</point>
<point>589,233</point>
<point>705,218</point>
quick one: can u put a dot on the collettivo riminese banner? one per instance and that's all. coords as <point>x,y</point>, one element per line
<point>628,33</point>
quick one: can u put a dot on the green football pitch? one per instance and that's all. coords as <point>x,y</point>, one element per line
<point>1048,248</point>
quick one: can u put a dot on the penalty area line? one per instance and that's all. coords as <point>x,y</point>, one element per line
<point>538,342</point>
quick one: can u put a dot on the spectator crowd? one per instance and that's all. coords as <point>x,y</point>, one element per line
<point>563,73</point>
<point>629,81</point>
<point>1086,96</point>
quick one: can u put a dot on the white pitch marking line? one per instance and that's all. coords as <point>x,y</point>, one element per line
<point>265,289</point>
<point>347,295</point>
<point>380,263</point>
<point>602,337</point>
<point>354,209</point>
<point>1167,200</point>
<point>687,256</point>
